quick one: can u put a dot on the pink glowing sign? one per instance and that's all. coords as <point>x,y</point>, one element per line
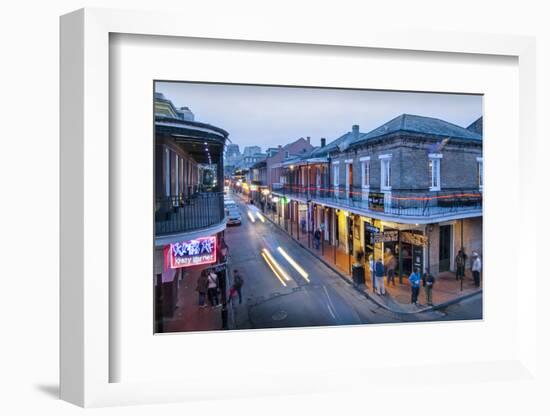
<point>193,252</point>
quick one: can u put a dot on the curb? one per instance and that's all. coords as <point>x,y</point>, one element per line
<point>369,296</point>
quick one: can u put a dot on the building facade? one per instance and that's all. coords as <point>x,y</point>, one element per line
<point>189,208</point>
<point>274,168</point>
<point>411,187</point>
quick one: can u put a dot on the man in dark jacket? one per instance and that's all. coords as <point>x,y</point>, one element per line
<point>202,288</point>
<point>428,281</point>
<point>317,238</point>
<point>460,263</point>
<point>238,283</point>
<point>379,273</point>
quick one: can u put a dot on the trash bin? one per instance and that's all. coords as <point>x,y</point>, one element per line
<point>358,274</point>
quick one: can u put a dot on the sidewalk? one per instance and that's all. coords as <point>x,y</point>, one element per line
<point>188,316</point>
<point>446,290</point>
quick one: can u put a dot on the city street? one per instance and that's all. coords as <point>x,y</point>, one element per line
<point>287,286</point>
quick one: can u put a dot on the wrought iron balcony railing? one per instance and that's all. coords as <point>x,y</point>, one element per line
<point>176,214</point>
<point>397,202</point>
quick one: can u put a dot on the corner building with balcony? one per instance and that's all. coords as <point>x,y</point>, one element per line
<point>189,207</point>
<point>412,186</point>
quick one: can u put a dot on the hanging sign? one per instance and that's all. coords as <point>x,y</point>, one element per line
<point>193,252</point>
<point>414,239</point>
<point>386,237</point>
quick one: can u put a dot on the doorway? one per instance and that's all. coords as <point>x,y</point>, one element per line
<point>349,181</point>
<point>445,234</point>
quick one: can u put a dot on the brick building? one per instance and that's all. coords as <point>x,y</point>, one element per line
<point>412,186</point>
<point>274,167</point>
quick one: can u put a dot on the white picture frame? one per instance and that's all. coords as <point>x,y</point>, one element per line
<point>85,352</point>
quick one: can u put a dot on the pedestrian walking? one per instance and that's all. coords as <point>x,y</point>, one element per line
<point>428,281</point>
<point>390,263</point>
<point>236,287</point>
<point>460,263</point>
<point>213,289</point>
<point>372,276</point>
<point>476,269</point>
<point>414,280</point>
<point>317,238</point>
<point>303,225</point>
<point>202,288</point>
<point>379,273</point>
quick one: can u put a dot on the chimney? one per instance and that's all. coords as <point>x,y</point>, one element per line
<point>355,131</point>
<point>323,142</point>
<point>280,147</point>
<point>309,140</point>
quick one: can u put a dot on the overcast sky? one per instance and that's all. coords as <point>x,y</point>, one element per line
<point>269,116</point>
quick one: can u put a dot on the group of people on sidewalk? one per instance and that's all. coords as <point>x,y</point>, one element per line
<point>428,281</point>
<point>380,269</point>
<point>208,286</point>
<point>385,269</point>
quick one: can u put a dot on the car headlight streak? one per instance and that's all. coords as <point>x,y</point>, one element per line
<point>272,266</point>
<point>293,263</point>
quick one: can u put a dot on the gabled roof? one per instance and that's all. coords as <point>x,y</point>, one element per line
<point>477,126</point>
<point>423,125</point>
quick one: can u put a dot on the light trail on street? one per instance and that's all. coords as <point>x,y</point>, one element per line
<point>276,265</point>
<point>293,263</point>
<point>272,267</point>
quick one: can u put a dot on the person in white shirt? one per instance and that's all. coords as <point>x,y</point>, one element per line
<point>213,289</point>
<point>476,269</point>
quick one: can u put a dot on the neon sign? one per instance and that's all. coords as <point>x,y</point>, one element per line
<point>193,252</point>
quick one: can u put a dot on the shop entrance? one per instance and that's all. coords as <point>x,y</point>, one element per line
<point>445,247</point>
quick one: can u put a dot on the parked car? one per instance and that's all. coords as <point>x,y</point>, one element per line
<point>229,203</point>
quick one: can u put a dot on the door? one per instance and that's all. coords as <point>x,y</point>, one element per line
<point>445,247</point>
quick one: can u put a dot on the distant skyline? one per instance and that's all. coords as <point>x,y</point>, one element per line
<point>267,116</point>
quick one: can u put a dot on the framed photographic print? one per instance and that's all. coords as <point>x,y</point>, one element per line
<point>308,195</point>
